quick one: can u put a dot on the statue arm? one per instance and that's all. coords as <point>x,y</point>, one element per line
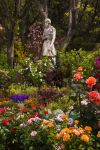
<point>43,36</point>
<point>54,36</point>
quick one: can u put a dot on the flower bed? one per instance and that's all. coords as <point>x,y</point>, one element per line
<point>26,123</point>
<point>29,125</point>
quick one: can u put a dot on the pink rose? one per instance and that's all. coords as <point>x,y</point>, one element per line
<point>76,132</point>
<point>29,121</point>
<point>33,133</point>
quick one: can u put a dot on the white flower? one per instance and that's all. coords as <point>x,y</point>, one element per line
<point>84,102</point>
<point>33,133</point>
<point>45,64</point>
<point>22,125</point>
<point>59,118</point>
<point>19,117</point>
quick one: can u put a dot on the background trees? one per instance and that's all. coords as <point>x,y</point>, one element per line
<point>77,22</point>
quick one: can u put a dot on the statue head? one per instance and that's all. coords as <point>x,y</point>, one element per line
<point>47,22</point>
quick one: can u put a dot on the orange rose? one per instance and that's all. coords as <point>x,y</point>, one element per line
<point>78,76</point>
<point>65,130</point>
<point>50,125</point>
<point>80,130</point>
<point>64,116</point>
<point>45,122</point>
<point>58,136</point>
<point>66,137</point>
<point>88,129</point>
<point>71,128</point>
<point>80,68</point>
<point>98,135</point>
<point>90,81</point>
<point>85,138</point>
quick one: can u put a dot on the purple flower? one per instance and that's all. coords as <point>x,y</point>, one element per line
<point>19,97</point>
<point>70,121</point>
<point>98,60</point>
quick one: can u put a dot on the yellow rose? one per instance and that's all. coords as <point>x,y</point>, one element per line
<point>76,121</point>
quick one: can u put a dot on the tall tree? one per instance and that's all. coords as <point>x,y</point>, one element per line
<point>13,14</point>
<point>73,19</point>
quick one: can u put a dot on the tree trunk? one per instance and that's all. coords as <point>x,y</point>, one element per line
<point>10,49</point>
<point>44,8</point>
<point>12,34</point>
<point>73,16</point>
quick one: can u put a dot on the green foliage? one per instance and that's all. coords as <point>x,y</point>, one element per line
<point>4,72</point>
<point>22,88</point>
<point>69,61</point>
<point>63,103</point>
<point>3,60</point>
<point>89,9</point>
<point>4,77</point>
<point>33,73</point>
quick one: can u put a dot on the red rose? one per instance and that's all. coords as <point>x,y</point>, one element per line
<point>91,81</point>
<point>97,100</point>
<point>42,105</point>
<point>5,122</point>
<point>36,114</point>
<point>13,130</point>
<point>2,110</point>
<point>33,106</point>
<point>46,112</point>
<point>25,110</point>
<point>78,76</point>
<point>94,96</point>
<point>31,116</point>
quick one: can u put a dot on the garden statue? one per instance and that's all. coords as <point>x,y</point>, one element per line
<point>49,36</point>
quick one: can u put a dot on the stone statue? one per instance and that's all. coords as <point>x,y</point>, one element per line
<point>49,36</point>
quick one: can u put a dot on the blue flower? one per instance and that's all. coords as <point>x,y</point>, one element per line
<point>70,121</point>
<point>19,97</point>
